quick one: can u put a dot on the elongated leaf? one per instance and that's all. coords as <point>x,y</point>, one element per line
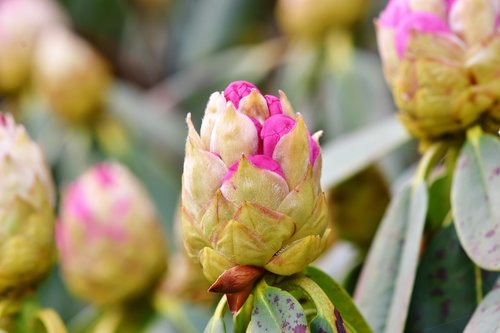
<point>340,299</point>
<point>216,323</point>
<point>349,154</point>
<point>384,289</point>
<point>440,304</point>
<point>276,310</point>
<point>476,199</point>
<point>486,318</point>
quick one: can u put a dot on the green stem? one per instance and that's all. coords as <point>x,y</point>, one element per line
<point>428,161</point>
<point>51,321</point>
<point>479,284</point>
<point>109,321</point>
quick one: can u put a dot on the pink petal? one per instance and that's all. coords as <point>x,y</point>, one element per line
<point>236,90</point>
<point>274,128</point>
<point>314,150</point>
<point>3,120</point>
<point>260,161</point>
<point>418,22</point>
<point>394,13</point>
<point>104,173</point>
<point>274,105</point>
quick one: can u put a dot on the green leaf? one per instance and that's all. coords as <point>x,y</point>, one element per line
<point>276,310</point>
<point>216,323</point>
<point>476,199</point>
<point>242,318</point>
<point>349,154</point>
<point>384,288</point>
<point>486,318</point>
<point>444,296</point>
<point>340,299</point>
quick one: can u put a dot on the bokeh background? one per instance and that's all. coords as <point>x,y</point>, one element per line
<point>139,66</point>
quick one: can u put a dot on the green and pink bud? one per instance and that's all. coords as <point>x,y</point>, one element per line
<point>26,210</point>
<point>441,60</point>
<point>251,195</point>
<point>105,217</point>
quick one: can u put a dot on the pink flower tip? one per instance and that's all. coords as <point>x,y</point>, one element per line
<point>104,173</point>
<point>275,127</point>
<point>260,161</point>
<point>274,105</point>
<point>3,120</point>
<point>236,90</point>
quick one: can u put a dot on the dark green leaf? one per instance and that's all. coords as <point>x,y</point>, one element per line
<point>340,299</point>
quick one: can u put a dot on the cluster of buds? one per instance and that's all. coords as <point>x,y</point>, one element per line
<point>26,210</point>
<point>109,238</point>
<point>21,22</point>
<point>251,195</point>
<point>313,19</point>
<point>442,59</point>
<point>70,75</point>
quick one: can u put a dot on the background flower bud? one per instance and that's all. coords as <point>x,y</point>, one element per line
<point>70,75</point>
<point>439,58</point>
<point>21,21</point>
<point>251,193</point>
<point>26,210</point>
<point>109,239</point>
<point>312,19</point>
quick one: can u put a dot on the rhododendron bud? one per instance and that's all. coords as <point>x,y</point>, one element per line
<point>250,192</point>
<point>312,19</point>
<point>441,60</point>
<point>21,21</point>
<point>26,210</point>
<point>70,75</point>
<point>109,237</point>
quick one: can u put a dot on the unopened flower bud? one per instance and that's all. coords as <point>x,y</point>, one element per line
<point>312,19</point>
<point>440,58</point>
<point>26,210</point>
<point>109,237</point>
<point>251,194</point>
<point>21,21</point>
<point>70,75</point>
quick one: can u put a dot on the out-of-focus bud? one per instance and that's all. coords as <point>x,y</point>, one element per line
<point>441,60</point>
<point>109,238</point>
<point>312,19</point>
<point>26,210</point>
<point>251,194</point>
<point>70,75</point>
<point>356,206</point>
<point>21,21</point>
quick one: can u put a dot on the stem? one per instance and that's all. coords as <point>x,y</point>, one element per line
<point>427,162</point>
<point>174,311</point>
<point>479,284</point>
<point>110,321</point>
<point>51,321</point>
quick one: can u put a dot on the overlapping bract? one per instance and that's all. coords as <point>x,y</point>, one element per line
<point>442,61</point>
<point>109,237</point>
<point>251,192</point>
<point>26,210</point>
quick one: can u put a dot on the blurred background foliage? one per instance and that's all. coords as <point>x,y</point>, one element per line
<point>165,57</point>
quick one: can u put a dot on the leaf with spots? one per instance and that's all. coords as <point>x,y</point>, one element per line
<point>276,310</point>
<point>476,199</point>
<point>486,318</point>
<point>384,289</point>
<point>444,296</point>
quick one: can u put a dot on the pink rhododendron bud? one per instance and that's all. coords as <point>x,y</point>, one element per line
<point>109,237</point>
<point>26,210</point>
<point>235,91</point>
<point>243,208</point>
<point>21,21</point>
<point>71,76</point>
<point>312,19</point>
<point>440,58</point>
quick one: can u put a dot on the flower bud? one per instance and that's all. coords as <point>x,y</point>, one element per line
<point>439,58</point>
<point>312,19</point>
<point>21,21</point>
<point>109,237</point>
<point>250,192</point>
<point>70,75</point>
<point>26,210</point>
